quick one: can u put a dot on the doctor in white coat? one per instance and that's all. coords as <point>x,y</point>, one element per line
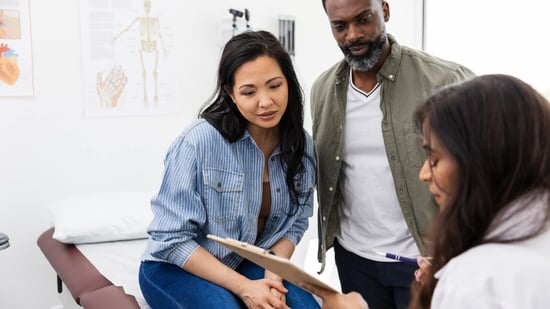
<point>488,168</point>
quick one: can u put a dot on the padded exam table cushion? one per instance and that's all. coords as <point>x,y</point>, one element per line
<point>86,284</point>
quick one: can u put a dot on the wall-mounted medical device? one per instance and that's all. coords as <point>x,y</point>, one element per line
<point>287,32</point>
<point>239,14</point>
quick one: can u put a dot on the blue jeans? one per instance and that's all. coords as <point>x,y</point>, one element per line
<point>384,285</point>
<point>167,286</point>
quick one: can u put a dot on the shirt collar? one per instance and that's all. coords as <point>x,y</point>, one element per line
<point>247,137</point>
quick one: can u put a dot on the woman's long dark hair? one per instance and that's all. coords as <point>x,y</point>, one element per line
<point>224,115</point>
<point>497,128</point>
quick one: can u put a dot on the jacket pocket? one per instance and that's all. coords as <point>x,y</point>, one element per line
<point>413,142</point>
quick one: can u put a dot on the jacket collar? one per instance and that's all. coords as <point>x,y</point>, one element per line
<point>390,67</point>
<point>519,219</point>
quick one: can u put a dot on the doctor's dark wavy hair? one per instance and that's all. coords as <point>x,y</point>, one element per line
<point>224,115</point>
<point>496,127</point>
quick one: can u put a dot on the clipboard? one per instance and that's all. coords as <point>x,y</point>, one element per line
<point>276,264</point>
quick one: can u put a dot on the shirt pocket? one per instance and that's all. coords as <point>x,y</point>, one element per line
<point>223,193</point>
<point>305,186</point>
<point>413,142</point>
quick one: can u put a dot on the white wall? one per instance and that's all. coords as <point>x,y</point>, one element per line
<point>50,150</point>
<point>492,36</point>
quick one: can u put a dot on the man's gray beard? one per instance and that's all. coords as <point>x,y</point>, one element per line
<point>366,62</point>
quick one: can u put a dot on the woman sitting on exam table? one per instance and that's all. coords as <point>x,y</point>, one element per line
<point>246,170</point>
<point>488,168</point>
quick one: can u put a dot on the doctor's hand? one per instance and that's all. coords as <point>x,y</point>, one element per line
<point>335,300</point>
<point>424,264</point>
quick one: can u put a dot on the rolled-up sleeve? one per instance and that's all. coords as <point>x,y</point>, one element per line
<point>178,211</point>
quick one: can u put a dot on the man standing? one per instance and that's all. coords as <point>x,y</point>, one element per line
<point>369,154</point>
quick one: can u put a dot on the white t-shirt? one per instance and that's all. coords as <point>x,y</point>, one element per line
<point>371,217</point>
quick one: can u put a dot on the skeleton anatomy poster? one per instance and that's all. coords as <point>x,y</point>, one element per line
<point>128,56</point>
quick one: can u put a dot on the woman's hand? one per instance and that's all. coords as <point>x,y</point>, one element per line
<point>335,300</point>
<point>275,277</point>
<point>263,293</point>
<point>257,294</point>
<point>424,264</point>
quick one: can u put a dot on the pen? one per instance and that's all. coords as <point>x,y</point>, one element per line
<point>404,259</point>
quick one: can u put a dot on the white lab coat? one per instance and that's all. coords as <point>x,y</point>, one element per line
<point>503,276</point>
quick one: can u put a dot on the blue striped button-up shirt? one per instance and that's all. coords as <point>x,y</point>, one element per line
<point>212,186</point>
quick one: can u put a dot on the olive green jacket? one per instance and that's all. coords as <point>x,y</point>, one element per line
<point>407,77</point>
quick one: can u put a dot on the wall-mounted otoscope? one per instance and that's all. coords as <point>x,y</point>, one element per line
<point>247,18</point>
<point>235,13</point>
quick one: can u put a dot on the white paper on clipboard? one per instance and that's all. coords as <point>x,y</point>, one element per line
<point>276,264</point>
